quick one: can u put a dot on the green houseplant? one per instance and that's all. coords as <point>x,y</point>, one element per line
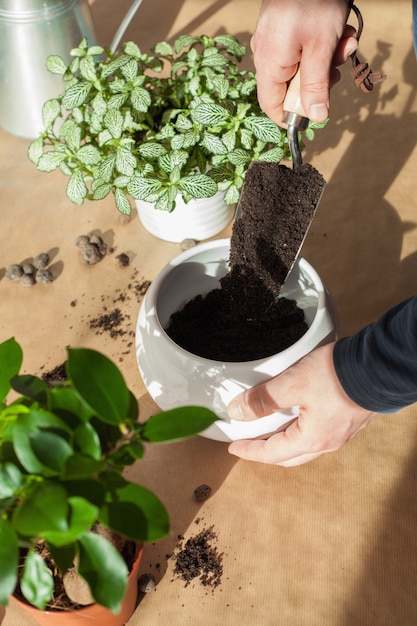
<point>184,120</point>
<point>63,449</point>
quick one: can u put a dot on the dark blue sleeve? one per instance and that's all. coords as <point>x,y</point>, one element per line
<point>377,367</point>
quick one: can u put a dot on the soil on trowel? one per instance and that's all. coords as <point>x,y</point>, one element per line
<point>245,319</point>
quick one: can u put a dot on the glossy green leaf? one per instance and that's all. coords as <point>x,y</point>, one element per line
<point>104,570</point>
<point>10,480</point>
<point>132,510</point>
<point>31,386</point>
<point>86,441</point>
<point>82,515</point>
<point>81,466</point>
<point>36,583</point>
<point>177,424</point>
<point>11,357</point>
<point>9,554</point>
<point>45,509</point>
<point>100,383</point>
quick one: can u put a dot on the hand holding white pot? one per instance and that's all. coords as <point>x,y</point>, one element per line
<point>327,419</point>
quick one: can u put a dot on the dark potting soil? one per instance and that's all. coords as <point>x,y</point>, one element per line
<point>245,319</point>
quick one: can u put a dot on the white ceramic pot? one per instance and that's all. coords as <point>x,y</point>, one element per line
<point>199,219</point>
<point>175,377</point>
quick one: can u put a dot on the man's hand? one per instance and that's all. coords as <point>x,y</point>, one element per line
<point>328,418</point>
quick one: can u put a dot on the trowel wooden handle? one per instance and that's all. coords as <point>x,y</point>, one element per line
<point>294,112</point>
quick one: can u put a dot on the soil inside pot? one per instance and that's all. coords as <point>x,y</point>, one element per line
<point>245,319</point>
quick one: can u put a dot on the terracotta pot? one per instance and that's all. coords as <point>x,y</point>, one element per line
<point>199,219</point>
<point>175,377</point>
<point>94,613</point>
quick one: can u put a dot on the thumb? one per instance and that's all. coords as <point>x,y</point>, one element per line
<point>254,403</point>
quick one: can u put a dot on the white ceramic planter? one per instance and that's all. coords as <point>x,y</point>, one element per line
<point>175,377</point>
<point>199,219</point>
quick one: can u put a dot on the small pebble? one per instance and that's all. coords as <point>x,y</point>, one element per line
<point>43,277</point>
<point>14,272</point>
<point>91,254</point>
<point>146,583</point>
<point>186,244</point>
<point>27,280</point>
<point>28,268</point>
<point>82,241</point>
<point>202,492</point>
<point>41,261</point>
<point>123,259</point>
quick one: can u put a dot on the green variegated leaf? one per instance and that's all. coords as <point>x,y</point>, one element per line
<point>117,101</point>
<point>125,161</point>
<point>95,50</point>
<point>246,138</point>
<point>163,48</point>
<point>103,137</point>
<point>263,128</point>
<point>56,65</point>
<point>229,139</point>
<point>232,195</point>
<point>122,202</point>
<point>130,70</point>
<point>221,85</point>
<point>106,168</point>
<point>275,155</point>
<point>184,41</point>
<point>113,121</point>
<point>199,186</point>
<point>141,188</point>
<point>140,99</point>
<point>209,114</point>
<point>183,123</point>
<point>76,95</point>
<point>214,144</point>
<point>77,115</point>
<point>87,68</point>
<point>101,191</point>
<point>35,150</point>
<point>76,187</point>
<point>221,172</point>
<point>50,111</point>
<point>248,86</point>
<point>99,104</point>
<point>165,201</point>
<point>239,157</point>
<point>232,45</point>
<point>151,150</point>
<point>121,181</point>
<point>49,161</point>
<point>183,141</point>
<point>114,65</point>
<point>72,134</point>
<point>132,49</point>
<point>89,154</point>
<point>213,59</point>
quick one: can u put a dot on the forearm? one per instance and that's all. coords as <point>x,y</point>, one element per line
<point>377,367</point>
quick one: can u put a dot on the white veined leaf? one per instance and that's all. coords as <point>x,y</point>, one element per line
<point>214,60</point>
<point>248,86</point>
<point>239,157</point>
<point>112,66</point>
<point>221,85</point>
<point>88,68</point>
<point>117,101</point>
<point>166,200</point>
<point>113,121</point>
<point>50,111</point>
<point>221,172</point>
<point>151,150</point>
<point>183,122</point>
<point>186,140</point>
<point>76,95</point>
<point>77,115</point>
<point>199,186</point>
<point>183,42</point>
<point>163,48</point>
<point>141,188</point>
<point>72,134</point>
<point>194,85</point>
<point>103,137</point>
<point>76,187</point>
<point>50,161</point>
<point>122,202</point>
<point>56,65</point>
<point>229,139</point>
<point>132,49</point>
<point>140,99</point>
<point>35,150</point>
<point>89,154</point>
<point>125,161</point>
<point>101,191</point>
<point>275,155</point>
<point>121,181</point>
<point>214,144</point>
<point>246,138</point>
<point>130,69</point>
<point>232,195</point>
<point>231,44</point>
<point>99,104</point>
<point>178,157</point>
<point>263,128</point>
<point>209,114</point>
<point>165,163</point>
<point>95,51</point>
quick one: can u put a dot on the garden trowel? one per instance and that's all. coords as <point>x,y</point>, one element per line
<point>277,205</point>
